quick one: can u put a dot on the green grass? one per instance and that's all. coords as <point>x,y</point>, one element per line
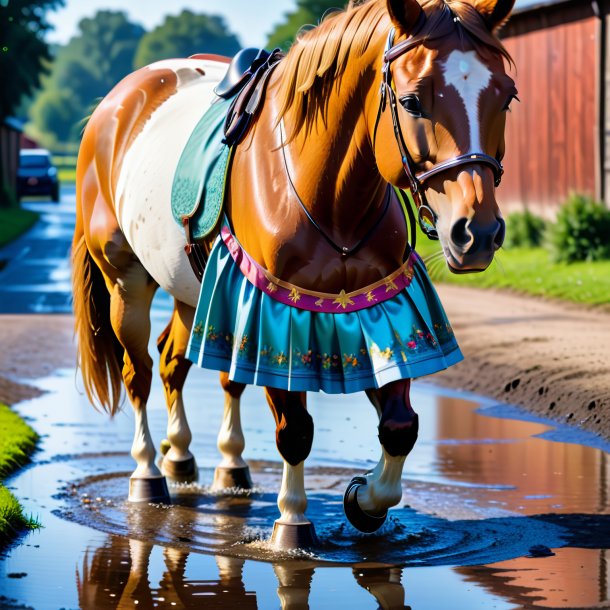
<point>66,175</point>
<point>14,222</point>
<point>530,271</point>
<point>66,167</point>
<point>17,442</point>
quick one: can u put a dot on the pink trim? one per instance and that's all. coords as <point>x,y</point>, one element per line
<point>293,296</point>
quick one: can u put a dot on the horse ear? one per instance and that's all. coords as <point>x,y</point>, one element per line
<point>404,14</point>
<point>494,12</point>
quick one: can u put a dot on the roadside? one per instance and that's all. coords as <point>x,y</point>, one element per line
<point>33,346</point>
<point>14,222</point>
<point>18,440</point>
<point>17,443</point>
<point>550,357</point>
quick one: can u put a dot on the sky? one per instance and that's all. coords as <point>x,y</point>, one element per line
<point>249,19</point>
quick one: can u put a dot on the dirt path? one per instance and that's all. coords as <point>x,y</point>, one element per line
<point>552,358</point>
<point>33,346</point>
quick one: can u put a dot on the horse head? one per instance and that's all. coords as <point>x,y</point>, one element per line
<point>447,90</point>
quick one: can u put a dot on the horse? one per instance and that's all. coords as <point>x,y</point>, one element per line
<point>407,93</point>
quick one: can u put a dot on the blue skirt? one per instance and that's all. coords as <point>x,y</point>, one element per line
<point>258,340</point>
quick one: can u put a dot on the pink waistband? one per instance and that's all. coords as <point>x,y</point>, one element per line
<point>302,298</point>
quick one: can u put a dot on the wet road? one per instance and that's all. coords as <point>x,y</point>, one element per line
<point>37,276</point>
<point>482,487</point>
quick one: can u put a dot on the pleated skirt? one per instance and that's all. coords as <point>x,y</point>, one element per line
<point>259,340</point>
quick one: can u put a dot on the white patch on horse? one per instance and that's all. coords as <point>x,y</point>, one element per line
<point>469,76</point>
<point>143,192</point>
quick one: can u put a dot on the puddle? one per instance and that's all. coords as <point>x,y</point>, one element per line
<point>481,488</point>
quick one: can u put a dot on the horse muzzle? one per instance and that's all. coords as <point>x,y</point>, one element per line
<point>470,247</point>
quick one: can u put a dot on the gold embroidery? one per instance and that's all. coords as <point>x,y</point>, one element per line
<point>370,297</point>
<point>343,300</point>
<point>295,295</point>
<point>408,272</point>
<point>198,330</point>
<point>386,354</point>
<point>271,287</point>
<point>320,302</point>
<point>390,285</point>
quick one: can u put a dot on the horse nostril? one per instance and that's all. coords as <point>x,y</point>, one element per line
<point>500,233</point>
<point>461,235</point>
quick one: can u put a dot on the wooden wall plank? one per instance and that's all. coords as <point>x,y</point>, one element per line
<point>551,135</point>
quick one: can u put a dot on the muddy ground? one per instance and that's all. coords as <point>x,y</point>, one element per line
<point>552,358</point>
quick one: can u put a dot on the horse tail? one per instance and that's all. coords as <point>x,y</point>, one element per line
<point>99,353</point>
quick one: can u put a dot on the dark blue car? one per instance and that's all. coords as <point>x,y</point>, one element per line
<point>36,174</point>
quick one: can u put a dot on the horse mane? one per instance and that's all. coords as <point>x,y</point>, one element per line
<point>318,58</point>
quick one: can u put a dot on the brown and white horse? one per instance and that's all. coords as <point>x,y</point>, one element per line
<point>452,93</point>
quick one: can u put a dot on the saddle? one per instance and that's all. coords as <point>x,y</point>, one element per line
<point>205,162</point>
<point>245,81</point>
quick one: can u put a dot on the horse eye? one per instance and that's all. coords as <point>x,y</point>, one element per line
<point>412,105</point>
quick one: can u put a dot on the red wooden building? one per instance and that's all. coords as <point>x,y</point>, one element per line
<point>556,137</point>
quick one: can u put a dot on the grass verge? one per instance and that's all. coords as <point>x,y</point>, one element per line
<point>530,271</point>
<point>14,222</point>
<point>17,442</point>
<point>66,175</point>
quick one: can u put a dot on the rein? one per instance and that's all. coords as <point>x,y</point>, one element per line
<point>426,216</point>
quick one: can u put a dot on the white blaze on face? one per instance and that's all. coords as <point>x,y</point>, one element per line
<point>469,76</point>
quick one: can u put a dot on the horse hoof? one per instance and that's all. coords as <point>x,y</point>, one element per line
<point>355,515</point>
<point>149,490</point>
<point>180,471</point>
<point>288,536</point>
<point>227,478</point>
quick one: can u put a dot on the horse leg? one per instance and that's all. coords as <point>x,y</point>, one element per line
<point>178,462</point>
<point>368,497</point>
<point>384,583</point>
<point>232,470</point>
<point>294,582</point>
<point>293,436</point>
<point>130,302</point>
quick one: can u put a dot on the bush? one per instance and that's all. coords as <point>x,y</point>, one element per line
<point>524,230</point>
<point>581,232</point>
<point>8,198</point>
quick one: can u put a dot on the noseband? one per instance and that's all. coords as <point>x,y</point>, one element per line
<point>418,181</point>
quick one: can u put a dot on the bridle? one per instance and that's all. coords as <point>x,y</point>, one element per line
<point>418,181</point>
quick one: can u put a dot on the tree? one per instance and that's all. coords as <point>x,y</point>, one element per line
<point>24,57</point>
<point>83,72</point>
<point>307,13</point>
<point>24,54</point>
<point>184,35</point>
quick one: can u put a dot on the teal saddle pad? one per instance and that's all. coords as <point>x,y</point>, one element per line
<point>199,181</point>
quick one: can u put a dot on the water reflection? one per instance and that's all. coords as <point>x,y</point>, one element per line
<point>567,580</point>
<point>539,476</point>
<point>117,576</point>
